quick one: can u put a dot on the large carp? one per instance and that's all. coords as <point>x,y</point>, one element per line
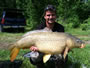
<point>48,43</point>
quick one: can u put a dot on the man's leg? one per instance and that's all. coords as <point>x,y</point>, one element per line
<point>37,60</point>
<point>40,65</point>
<point>60,62</point>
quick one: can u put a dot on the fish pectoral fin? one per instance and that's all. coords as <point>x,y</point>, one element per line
<point>46,57</point>
<point>66,52</point>
<point>14,53</point>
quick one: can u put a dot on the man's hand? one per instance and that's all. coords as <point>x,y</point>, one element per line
<point>33,48</point>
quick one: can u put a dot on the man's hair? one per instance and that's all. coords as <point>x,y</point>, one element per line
<point>50,8</point>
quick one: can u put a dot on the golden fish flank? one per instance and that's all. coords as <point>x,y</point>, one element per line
<point>48,43</point>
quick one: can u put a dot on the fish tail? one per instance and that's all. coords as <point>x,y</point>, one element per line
<point>12,46</point>
<point>14,53</point>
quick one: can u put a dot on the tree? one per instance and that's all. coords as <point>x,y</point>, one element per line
<point>73,11</point>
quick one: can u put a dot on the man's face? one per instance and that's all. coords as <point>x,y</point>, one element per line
<point>50,17</point>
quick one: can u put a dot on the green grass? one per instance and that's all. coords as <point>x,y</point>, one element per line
<point>80,56</point>
<point>5,55</point>
<point>79,31</point>
<point>76,59</point>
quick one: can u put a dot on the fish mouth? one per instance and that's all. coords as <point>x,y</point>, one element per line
<point>82,46</point>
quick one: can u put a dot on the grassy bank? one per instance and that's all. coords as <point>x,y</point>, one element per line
<point>78,32</point>
<point>80,57</point>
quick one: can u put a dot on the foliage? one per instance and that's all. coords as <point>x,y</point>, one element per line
<point>71,11</point>
<point>8,4</point>
<point>86,25</point>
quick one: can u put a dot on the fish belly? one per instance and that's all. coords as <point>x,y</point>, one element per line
<point>52,47</point>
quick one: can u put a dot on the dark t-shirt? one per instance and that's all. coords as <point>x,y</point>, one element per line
<point>57,27</point>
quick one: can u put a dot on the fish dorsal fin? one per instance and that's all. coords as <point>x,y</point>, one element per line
<point>46,57</point>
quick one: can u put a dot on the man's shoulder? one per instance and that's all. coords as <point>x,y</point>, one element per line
<point>59,25</point>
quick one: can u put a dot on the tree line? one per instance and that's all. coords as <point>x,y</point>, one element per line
<point>72,12</point>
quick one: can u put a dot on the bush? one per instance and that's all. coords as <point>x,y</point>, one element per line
<point>68,26</point>
<point>70,22</point>
<point>74,20</point>
<point>85,25</point>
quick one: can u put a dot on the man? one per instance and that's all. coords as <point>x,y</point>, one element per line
<point>56,61</point>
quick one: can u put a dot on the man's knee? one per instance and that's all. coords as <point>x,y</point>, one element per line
<point>36,58</point>
<point>60,61</point>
